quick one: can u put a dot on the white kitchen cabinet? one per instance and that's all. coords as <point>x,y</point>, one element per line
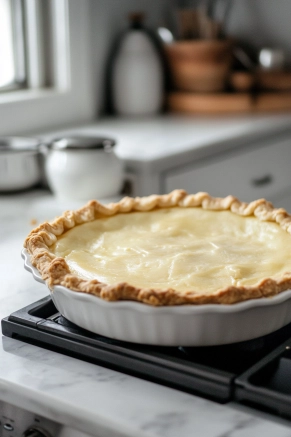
<point>263,172</point>
<point>283,200</point>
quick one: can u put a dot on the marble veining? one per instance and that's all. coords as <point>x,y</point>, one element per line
<point>100,401</point>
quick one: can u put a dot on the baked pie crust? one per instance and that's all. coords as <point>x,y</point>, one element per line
<point>186,223</point>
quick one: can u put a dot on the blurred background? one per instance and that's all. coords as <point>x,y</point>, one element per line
<point>105,98</point>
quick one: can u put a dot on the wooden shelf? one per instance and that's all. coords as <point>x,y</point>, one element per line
<point>221,103</point>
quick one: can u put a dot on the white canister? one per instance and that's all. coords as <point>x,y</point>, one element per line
<point>137,76</point>
<point>83,168</point>
<point>20,166</point>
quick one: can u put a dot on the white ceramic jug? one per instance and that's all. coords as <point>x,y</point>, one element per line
<point>83,168</point>
<point>137,76</point>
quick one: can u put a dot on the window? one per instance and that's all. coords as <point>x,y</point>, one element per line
<point>45,64</point>
<point>12,67</point>
<point>33,35</point>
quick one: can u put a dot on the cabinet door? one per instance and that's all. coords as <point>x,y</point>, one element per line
<point>283,201</point>
<point>258,173</point>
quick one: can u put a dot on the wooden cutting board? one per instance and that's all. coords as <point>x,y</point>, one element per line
<point>208,103</point>
<point>262,80</point>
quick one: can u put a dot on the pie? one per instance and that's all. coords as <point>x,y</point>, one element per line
<point>169,249</point>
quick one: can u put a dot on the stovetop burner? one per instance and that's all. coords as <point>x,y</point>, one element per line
<point>256,371</point>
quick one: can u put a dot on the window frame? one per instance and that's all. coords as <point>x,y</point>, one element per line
<point>69,99</point>
<point>15,16</point>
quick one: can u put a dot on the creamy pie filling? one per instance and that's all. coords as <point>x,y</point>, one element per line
<point>186,249</point>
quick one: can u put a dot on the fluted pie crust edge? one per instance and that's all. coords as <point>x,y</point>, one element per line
<point>55,270</point>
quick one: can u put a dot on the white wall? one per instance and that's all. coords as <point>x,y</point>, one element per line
<point>262,23</point>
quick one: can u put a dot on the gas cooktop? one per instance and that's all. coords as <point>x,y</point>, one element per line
<point>256,372</point>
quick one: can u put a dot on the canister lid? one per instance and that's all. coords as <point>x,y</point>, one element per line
<point>18,144</point>
<point>81,143</point>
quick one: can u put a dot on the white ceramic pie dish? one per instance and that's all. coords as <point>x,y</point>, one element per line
<point>185,325</point>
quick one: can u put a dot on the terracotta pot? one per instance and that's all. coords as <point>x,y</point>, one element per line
<point>242,81</point>
<point>199,65</point>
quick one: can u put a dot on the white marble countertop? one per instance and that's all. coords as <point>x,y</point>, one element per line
<point>155,143</point>
<point>96,400</point>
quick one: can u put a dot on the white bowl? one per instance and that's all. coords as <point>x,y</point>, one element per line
<point>184,325</point>
<point>20,163</point>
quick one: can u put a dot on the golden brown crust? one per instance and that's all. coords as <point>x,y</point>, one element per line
<point>56,271</point>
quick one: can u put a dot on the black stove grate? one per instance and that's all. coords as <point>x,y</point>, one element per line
<point>238,371</point>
